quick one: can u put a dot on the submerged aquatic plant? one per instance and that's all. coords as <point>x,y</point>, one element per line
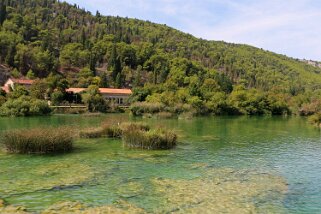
<point>38,141</point>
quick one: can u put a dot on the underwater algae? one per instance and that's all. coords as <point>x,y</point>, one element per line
<point>45,178</point>
<point>11,209</point>
<point>216,191</point>
<point>67,207</point>
<point>222,191</point>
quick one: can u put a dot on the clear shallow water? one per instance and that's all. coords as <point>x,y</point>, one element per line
<point>274,161</point>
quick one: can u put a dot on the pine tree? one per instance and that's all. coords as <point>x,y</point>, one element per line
<point>118,82</point>
<point>115,63</point>
<point>104,80</point>
<point>3,12</point>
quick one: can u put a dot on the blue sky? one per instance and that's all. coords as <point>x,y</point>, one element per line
<point>291,27</point>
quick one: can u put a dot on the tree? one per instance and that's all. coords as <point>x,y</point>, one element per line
<point>115,63</point>
<point>30,75</point>
<point>39,89</point>
<point>3,12</point>
<point>104,81</point>
<point>57,97</point>
<point>73,54</point>
<point>138,77</point>
<point>94,100</point>
<point>119,81</point>
<point>15,73</point>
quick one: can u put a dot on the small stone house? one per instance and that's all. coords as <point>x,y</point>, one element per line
<point>11,83</point>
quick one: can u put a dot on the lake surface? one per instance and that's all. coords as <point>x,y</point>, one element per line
<point>222,164</point>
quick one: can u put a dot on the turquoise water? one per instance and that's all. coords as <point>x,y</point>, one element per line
<point>229,150</point>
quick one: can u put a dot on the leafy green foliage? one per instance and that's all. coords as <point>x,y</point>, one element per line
<point>24,106</point>
<point>94,100</point>
<point>167,66</point>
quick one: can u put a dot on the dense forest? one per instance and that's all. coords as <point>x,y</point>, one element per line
<point>66,46</point>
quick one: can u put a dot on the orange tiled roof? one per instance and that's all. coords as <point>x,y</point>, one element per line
<point>75,90</point>
<point>103,91</point>
<point>115,91</point>
<point>23,81</point>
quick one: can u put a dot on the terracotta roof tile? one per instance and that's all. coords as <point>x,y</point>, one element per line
<point>75,90</point>
<point>23,81</point>
<point>103,91</point>
<point>115,91</point>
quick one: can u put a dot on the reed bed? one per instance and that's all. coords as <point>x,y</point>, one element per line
<point>151,139</point>
<point>111,130</point>
<point>134,135</point>
<point>38,141</point>
<point>91,133</point>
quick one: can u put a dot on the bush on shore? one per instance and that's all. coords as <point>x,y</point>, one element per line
<point>140,108</point>
<point>315,119</point>
<point>38,141</point>
<point>24,106</point>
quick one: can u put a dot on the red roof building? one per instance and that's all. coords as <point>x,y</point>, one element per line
<point>11,82</point>
<point>118,96</point>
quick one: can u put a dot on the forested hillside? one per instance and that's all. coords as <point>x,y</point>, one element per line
<point>164,66</point>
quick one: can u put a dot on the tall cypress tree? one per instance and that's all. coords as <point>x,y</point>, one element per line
<point>115,63</point>
<point>3,12</point>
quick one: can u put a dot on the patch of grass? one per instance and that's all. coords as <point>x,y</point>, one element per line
<point>151,139</point>
<point>38,141</point>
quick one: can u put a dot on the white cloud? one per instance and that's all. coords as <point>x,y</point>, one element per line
<point>288,27</point>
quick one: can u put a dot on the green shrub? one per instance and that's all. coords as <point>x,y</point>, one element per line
<point>2,100</point>
<point>315,119</point>
<point>152,139</point>
<point>138,109</point>
<point>38,141</point>
<point>24,106</point>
